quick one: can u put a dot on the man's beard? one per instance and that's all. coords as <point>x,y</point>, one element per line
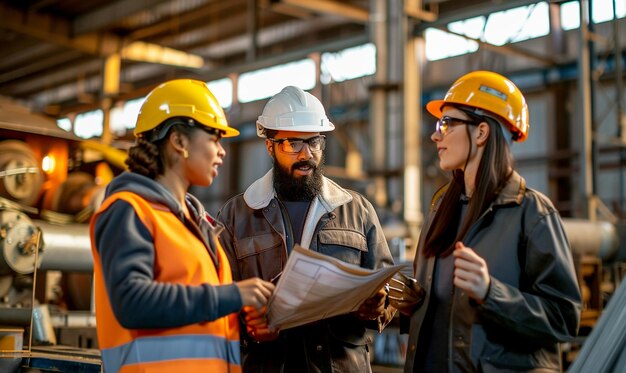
<point>303,188</point>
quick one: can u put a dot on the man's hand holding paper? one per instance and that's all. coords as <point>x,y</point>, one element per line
<point>373,307</point>
<point>314,286</point>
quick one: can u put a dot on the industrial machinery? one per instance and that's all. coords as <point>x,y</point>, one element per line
<point>50,183</point>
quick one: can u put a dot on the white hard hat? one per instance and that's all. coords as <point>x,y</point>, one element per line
<point>293,109</point>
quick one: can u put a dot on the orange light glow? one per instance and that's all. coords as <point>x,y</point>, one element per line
<point>47,164</point>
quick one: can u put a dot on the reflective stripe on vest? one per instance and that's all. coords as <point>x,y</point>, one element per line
<point>164,348</point>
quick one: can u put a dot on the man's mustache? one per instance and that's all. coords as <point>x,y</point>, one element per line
<point>299,164</point>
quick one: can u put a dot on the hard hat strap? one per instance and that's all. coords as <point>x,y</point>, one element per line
<point>161,131</point>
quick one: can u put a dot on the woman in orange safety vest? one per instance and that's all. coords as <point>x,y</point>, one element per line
<point>165,300</point>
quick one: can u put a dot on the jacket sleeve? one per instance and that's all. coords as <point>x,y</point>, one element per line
<point>226,238</point>
<point>378,256</point>
<point>548,308</point>
<point>138,301</point>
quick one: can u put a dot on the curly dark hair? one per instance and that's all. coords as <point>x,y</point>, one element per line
<point>147,158</point>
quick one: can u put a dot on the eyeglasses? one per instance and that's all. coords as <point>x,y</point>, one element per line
<point>444,124</point>
<point>295,145</point>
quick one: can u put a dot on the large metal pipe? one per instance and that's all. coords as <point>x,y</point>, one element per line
<point>66,247</point>
<point>597,238</point>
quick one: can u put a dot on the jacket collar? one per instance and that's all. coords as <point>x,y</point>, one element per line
<point>199,213</point>
<point>261,192</point>
<point>513,191</point>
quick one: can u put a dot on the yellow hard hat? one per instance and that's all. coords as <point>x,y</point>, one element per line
<point>182,98</point>
<point>491,92</point>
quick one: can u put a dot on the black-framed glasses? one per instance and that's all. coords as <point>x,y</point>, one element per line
<point>444,124</point>
<point>294,145</point>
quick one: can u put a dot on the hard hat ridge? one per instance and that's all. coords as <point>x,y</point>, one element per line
<point>297,92</point>
<point>293,109</point>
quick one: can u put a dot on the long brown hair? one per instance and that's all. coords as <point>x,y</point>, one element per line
<point>494,170</point>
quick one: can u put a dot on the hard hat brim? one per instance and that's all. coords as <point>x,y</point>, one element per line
<point>228,131</point>
<point>434,108</point>
<point>306,129</point>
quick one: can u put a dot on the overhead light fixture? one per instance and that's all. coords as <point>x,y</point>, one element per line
<point>148,52</point>
<point>337,8</point>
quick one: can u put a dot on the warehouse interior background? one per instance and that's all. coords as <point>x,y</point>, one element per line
<point>73,75</point>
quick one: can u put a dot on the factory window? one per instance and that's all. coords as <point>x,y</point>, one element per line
<point>259,84</point>
<point>441,44</point>
<point>125,117</point>
<point>620,9</point>
<point>520,23</point>
<point>499,28</point>
<point>570,15</point>
<point>89,124</point>
<point>65,124</point>
<point>350,63</point>
<point>222,89</point>
<point>602,11</point>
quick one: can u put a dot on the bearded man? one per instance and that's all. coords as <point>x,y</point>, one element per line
<point>295,204</point>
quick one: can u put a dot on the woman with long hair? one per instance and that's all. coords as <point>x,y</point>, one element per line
<point>493,258</point>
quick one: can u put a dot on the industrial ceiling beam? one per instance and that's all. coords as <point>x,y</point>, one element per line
<point>286,9</point>
<point>58,31</point>
<point>331,7</point>
<point>67,91</point>
<point>38,65</point>
<point>206,33</point>
<point>237,44</point>
<point>453,12</point>
<point>109,14</point>
<point>27,54</point>
<point>51,80</point>
<point>414,10</point>
<point>200,14</point>
<point>266,37</point>
<point>36,5</point>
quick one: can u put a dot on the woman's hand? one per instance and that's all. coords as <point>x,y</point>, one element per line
<point>471,273</point>
<point>255,292</point>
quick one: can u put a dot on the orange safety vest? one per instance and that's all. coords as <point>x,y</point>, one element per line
<point>203,347</point>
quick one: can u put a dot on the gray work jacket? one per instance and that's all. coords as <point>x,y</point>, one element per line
<point>533,302</point>
<point>340,223</point>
